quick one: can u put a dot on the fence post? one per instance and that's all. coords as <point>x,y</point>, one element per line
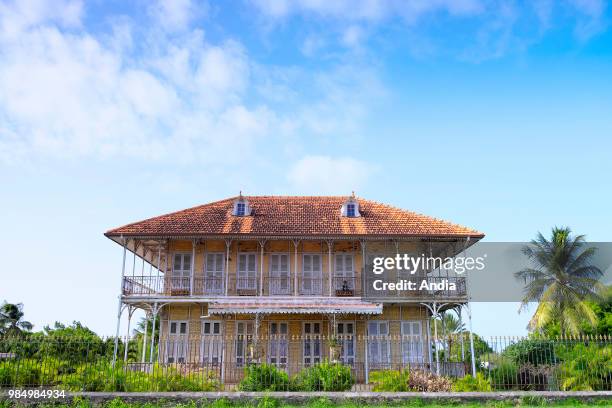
<point>155,311</point>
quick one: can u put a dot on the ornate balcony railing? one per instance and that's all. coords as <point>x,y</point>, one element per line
<point>422,287</point>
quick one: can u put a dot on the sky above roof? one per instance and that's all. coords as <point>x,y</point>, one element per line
<point>491,114</point>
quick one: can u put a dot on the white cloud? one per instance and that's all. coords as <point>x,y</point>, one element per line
<point>18,15</point>
<point>353,36</point>
<point>591,20</point>
<point>329,175</point>
<point>135,92</point>
<point>312,45</point>
<point>175,15</point>
<point>73,94</point>
<point>366,10</point>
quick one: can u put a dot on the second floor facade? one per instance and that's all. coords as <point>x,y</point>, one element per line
<point>255,250</point>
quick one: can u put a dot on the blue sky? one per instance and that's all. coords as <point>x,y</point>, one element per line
<point>494,114</point>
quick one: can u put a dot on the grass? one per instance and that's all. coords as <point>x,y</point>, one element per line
<point>268,402</point>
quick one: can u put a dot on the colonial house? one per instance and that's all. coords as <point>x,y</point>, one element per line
<point>290,281</point>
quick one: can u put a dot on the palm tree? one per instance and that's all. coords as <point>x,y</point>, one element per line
<point>562,279</point>
<point>148,322</point>
<point>451,327</point>
<point>11,316</point>
<point>143,349</point>
<point>451,324</point>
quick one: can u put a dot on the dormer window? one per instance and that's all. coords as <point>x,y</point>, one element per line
<point>350,208</point>
<point>241,207</point>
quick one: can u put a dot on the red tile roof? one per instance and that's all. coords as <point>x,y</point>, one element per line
<point>294,216</point>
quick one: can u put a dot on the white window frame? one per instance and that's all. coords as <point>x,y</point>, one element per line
<point>248,278</point>
<point>412,344</point>
<point>274,284</point>
<point>217,284</point>
<point>348,209</point>
<point>245,206</point>
<point>244,342</point>
<point>314,280</point>
<point>177,342</point>
<point>314,341</point>
<point>344,340</point>
<point>181,279</point>
<point>211,345</point>
<point>277,344</point>
<point>344,210</point>
<point>369,275</point>
<point>343,273</point>
<point>241,209</point>
<point>374,342</point>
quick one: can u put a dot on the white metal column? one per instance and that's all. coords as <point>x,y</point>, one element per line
<point>192,271</point>
<point>228,244</point>
<point>144,339</point>
<point>262,244</point>
<point>296,243</point>
<point>154,312</point>
<point>472,356</point>
<point>119,308</point>
<point>330,247</point>
<point>131,310</point>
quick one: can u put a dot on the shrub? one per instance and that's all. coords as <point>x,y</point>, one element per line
<point>99,377</point>
<point>390,380</point>
<point>532,351</point>
<point>170,379</point>
<point>504,376</point>
<point>23,373</point>
<point>324,376</point>
<point>426,381</point>
<point>264,377</point>
<point>469,383</point>
<point>117,403</point>
<point>321,403</point>
<point>268,402</point>
<point>6,375</point>
<point>221,403</point>
<point>585,367</point>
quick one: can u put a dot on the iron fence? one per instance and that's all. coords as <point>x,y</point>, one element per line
<point>282,362</point>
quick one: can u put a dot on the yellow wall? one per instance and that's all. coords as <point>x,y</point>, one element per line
<point>287,247</point>
<point>394,314</point>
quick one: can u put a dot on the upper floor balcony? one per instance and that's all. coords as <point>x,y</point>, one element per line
<point>216,268</point>
<point>425,288</point>
<point>342,286</point>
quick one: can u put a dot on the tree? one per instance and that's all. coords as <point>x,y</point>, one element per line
<point>451,328</point>
<point>562,280</point>
<point>148,322</point>
<point>450,324</point>
<point>603,311</point>
<point>11,319</point>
